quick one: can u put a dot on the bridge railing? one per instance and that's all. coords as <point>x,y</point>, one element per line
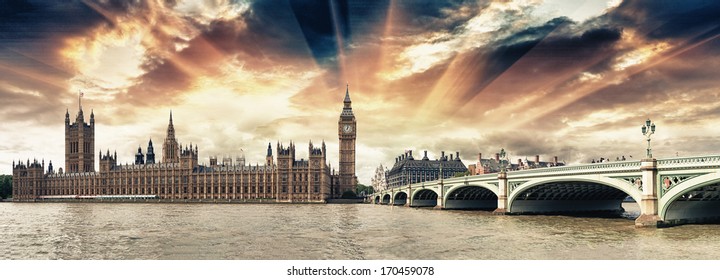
<point>618,166</point>
<point>700,161</point>
<point>492,177</point>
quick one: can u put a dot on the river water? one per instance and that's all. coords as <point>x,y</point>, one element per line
<point>334,231</point>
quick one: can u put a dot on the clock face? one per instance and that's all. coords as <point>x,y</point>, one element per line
<point>347,128</point>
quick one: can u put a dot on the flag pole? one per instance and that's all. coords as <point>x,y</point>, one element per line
<point>80,95</point>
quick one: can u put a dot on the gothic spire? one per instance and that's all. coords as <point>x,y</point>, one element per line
<point>347,94</point>
<point>171,128</point>
<point>347,104</point>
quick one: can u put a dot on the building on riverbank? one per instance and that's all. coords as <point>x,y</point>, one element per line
<point>179,176</point>
<point>379,180</point>
<point>494,165</point>
<point>408,170</point>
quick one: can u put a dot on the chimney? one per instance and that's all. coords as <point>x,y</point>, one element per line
<point>555,160</point>
<point>497,157</point>
<point>410,153</point>
<point>537,159</point>
<point>451,157</point>
<point>519,162</point>
<point>425,153</point>
<point>479,157</point>
<point>442,155</point>
<point>457,155</point>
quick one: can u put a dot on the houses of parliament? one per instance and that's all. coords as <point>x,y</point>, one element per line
<point>179,177</point>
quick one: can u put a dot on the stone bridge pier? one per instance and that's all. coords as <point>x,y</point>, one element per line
<point>649,202</point>
<point>502,194</point>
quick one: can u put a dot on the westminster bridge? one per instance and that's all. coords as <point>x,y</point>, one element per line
<point>668,191</point>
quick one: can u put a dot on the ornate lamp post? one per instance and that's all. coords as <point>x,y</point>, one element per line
<point>503,168</point>
<point>648,129</point>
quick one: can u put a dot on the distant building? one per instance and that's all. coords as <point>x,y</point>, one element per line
<point>492,165</point>
<point>409,170</point>
<point>379,180</point>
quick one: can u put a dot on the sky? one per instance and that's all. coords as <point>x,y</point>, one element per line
<point>573,79</point>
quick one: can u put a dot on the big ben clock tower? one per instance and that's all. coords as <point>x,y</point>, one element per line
<point>347,130</point>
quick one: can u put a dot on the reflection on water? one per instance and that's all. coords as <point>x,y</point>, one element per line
<point>360,231</point>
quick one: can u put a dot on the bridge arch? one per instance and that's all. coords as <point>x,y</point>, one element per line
<point>377,199</point>
<point>471,197</point>
<point>571,194</point>
<point>400,198</point>
<point>695,200</point>
<point>386,199</point>
<point>424,198</point>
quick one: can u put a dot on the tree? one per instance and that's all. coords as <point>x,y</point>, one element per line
<point>461,174</point>
<point>360,188</point>
<point>5,186</point>
<point>348,194</point>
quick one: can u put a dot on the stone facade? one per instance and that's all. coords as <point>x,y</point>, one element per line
<point>80,143</point>
<point>409,170</point>
<point>493,165</point>
<point>283,178</point>
<point>379,180</point>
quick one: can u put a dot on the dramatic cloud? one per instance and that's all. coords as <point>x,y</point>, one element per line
<point>573,79</point>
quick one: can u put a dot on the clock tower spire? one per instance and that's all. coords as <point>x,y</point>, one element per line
<point>347,130</point>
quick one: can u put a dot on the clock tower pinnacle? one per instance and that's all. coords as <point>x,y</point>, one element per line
<point>347,131</point>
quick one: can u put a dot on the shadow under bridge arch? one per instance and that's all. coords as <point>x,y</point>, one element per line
<point>386,199</point>
<point>694,201</point>
<point>471,197</point>
<point>400,198</point>
<point>567,197</point>
<point>424,198</point>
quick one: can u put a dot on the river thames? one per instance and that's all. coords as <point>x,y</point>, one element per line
<point>333,231</point>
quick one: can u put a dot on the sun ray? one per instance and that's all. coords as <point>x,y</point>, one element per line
<point>537,92</point>
<point>338,40</point>
<point>387,32</point>
<point>589,89</point>
<point>38,60</point>
<point>103,12</point>
<point>45,79</point>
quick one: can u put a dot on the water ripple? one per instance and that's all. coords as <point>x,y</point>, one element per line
<point>356,232</point>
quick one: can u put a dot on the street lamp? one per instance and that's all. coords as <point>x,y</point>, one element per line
<point>502,157</point>
<point>648,129</point>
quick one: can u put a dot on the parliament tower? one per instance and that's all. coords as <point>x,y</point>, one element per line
<point>347,131</point>
<point>79,143</point>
